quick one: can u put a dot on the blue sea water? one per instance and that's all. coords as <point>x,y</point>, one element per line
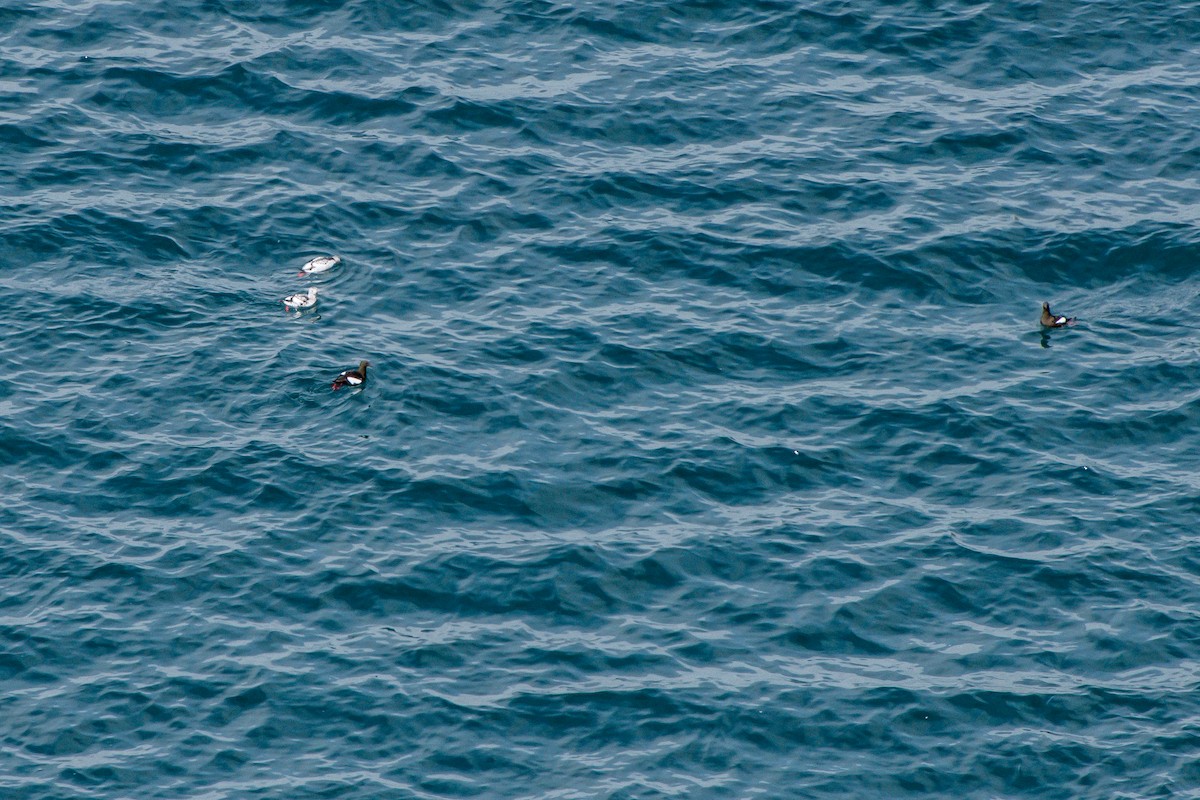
<point>711,447</point>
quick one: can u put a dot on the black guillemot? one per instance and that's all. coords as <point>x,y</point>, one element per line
<point>1054,320</point>
<point>351,377</point>
<point>320,264</point>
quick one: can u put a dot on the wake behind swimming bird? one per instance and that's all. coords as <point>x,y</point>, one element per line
<point>320,264</point>
<point>296,302</point>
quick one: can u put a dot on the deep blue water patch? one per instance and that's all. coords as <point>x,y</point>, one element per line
<point>710,448</point>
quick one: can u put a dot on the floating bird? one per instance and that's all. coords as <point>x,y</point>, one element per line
<point>351,377</point>
<point>299,301</point>
<point>320,264</point>
<point>1053,320</point>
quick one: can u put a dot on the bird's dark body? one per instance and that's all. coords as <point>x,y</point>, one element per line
<point>352,377</point>
<point>1054,320</point>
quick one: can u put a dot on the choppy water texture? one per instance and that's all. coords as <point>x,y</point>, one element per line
<point>711,446</point>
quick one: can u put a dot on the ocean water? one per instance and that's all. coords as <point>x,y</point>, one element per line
<point>711,447</point>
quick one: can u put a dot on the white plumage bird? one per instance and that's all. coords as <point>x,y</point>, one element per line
<point>320,264</point>
<point>296,302</point>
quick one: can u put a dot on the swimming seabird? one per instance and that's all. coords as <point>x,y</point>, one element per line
<point>351,377</point>
<point>1054,320</point>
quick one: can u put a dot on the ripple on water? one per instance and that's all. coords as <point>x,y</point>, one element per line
<point>711,444</point>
